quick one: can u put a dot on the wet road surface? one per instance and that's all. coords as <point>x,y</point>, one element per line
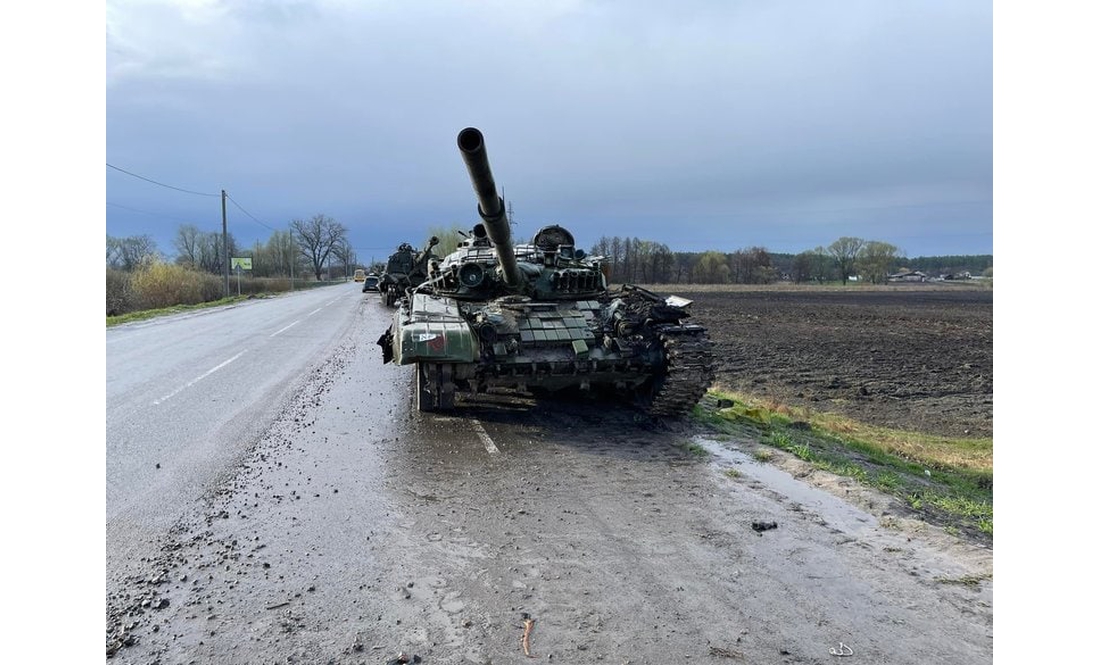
<point>355,529</point>
<point>188,395</point>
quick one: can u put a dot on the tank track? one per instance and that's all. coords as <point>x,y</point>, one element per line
<point>688,374</point>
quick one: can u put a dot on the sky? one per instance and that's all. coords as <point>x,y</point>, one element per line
<point>703,125</point>
<point>795,91</point>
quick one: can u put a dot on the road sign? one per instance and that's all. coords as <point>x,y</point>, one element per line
<point>242,263</point>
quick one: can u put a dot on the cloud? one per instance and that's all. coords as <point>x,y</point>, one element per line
<point>622,108</point>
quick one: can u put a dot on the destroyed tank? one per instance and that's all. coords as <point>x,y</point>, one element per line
<point>539,317</point>
<point>405,268</point>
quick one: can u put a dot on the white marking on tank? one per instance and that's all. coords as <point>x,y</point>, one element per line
<point>484,436</point>
<point>196,380</point>
<point>286,328</point>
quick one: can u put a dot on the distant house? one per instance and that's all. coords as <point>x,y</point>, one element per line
<point>958,275</point>
<point>905,275</point>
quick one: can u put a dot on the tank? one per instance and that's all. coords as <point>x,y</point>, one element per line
<point>405,268</point>
<point>539,317</point>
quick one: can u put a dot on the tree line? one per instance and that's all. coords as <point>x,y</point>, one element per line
<point>632,260</point>
<point>317,245</point>
<point>320,244</point>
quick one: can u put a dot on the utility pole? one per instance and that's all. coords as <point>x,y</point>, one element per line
<point>225,245</point>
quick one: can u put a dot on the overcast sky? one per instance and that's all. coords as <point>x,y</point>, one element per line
<point>702,124</point>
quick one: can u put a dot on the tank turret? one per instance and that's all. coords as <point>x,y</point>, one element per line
<point>488,264</point>
<point>539,317</point>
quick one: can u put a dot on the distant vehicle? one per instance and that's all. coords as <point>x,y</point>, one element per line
<point>370,283</point>
<point>405,269</point>
<point>360,275</point>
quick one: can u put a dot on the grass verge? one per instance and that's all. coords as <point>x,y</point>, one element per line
<point>175,309</point>
<point>946,481</point>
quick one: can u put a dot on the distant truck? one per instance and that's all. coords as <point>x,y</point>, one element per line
<point>360,275</point>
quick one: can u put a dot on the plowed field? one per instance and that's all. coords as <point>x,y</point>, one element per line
<point>913,357</point>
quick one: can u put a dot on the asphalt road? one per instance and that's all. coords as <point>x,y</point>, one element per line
<point>187,395</point>
<point>311,516</point>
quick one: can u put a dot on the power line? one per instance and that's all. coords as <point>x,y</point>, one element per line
<point>178,189</point>
<point>249,214</point>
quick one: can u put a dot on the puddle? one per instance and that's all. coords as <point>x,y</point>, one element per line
<point>832,509</point>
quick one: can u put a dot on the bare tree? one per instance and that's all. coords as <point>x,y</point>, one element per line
<point>187,242</point>
<point>280,247</point>
<point>316,238</point>
<point>802,267</point>
<point>210,256</point>
<point>128,253</point>
<point>343,253</point>
<point>752,266</point>
<point>844,251</point>
<point>661,262</point>
<point>684,266</point>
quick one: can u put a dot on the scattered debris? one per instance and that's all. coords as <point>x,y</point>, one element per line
<point>278,605</point>
<point>403,658</point>
<point>764,526</point>
<point>528,624</point>
<point>844,650</point>
<point>725,653</point>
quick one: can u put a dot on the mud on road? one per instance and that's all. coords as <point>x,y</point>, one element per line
<point>359,530</point>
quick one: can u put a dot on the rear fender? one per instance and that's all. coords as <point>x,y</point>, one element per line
<point>431,329</point>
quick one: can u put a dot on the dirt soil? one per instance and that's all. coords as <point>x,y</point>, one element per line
<point>912,357</point>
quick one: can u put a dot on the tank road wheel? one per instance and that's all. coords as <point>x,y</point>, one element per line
<point>446,387</point>
<point>435,388</point>
<point>687,374</point>
<point>424,398</point>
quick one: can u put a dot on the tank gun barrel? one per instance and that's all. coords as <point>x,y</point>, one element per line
<point>490,205</point>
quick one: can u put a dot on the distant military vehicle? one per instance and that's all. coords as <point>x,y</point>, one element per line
<point>405,268</point>
<point>540,317</point>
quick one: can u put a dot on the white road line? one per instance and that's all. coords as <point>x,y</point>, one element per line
<point>196,380</point>
<point>484,436</point>
<point>286,328</point>
<point>321,307</point>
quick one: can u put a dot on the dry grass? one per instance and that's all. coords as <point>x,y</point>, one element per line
<point>936,451</point>
<point>157,285</point>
